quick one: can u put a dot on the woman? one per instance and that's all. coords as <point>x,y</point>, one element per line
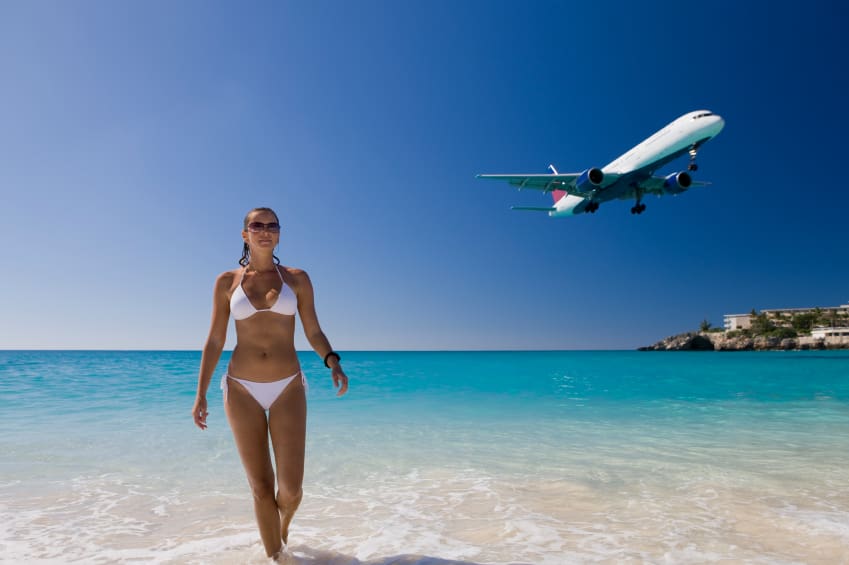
<point>264,375</point>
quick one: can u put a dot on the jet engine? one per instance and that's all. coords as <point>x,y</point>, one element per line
<point>589,180</point>
<point>676,183</point>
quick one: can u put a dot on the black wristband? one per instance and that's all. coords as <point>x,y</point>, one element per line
<point>338,358</point>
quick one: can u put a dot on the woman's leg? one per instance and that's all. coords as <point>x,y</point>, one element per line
<point>250,430</point>
<point>287,422</point>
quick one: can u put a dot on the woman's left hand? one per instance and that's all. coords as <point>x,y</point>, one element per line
<point>340,380</point>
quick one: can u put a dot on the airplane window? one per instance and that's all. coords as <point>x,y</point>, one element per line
<point>702,115</point>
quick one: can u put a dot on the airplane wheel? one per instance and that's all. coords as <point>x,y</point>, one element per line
<point>633,209</point>
<point>642,208</point>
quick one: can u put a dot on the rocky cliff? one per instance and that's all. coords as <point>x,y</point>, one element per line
<point>718,341</point>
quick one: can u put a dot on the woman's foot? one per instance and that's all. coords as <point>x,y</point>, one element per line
<point>284,556</point>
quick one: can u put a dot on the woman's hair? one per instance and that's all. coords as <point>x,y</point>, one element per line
<point>246,251</point>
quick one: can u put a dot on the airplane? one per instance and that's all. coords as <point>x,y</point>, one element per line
<point>628,176</point>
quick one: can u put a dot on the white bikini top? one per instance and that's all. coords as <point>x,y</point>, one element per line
<point>241,307</point>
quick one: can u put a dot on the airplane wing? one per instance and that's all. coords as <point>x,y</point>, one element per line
<point>550,182</point>
<point>544,182</point>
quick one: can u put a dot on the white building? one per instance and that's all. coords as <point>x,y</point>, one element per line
<point>737,322</point>
<point>822,333</point>
<point>744,321</point>
<point>843,310</point>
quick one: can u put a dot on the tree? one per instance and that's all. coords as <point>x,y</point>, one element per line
<point>803,322</point>
<point>784,332</point>
<point>762,324</point>
<point>704,326</point>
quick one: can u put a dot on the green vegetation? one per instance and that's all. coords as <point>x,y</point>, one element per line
<point>779,332</point>
<point>707,328</point>
<point>785,325</point>
<point>804,322</point>
<point>762,325</point>
<point>783,333</point>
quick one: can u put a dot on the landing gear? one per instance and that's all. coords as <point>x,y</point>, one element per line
<point>639,207</point>
<point>591,207</point>
<point>693,166</point>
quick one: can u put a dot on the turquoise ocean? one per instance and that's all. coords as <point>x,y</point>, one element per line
<point>437,458</point>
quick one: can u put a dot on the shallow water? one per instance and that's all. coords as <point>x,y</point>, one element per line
<point>436,458</point>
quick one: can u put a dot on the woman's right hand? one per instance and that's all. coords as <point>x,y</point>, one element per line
<point>199,412</point>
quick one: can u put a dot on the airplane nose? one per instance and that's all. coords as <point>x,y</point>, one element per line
<point>720,123</point>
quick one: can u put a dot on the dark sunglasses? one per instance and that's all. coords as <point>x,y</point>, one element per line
<point>256,227</point>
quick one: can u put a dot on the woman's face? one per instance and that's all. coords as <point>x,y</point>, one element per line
<point>263,231</point>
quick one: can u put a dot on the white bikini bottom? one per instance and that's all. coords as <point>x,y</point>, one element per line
<point>264,393</point>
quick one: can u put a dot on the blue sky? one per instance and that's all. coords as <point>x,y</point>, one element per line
<point>136,135</point>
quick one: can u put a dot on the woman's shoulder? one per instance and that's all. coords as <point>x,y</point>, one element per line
<point>294,271</point>
<point>227,278</point>
<point>294,274</point>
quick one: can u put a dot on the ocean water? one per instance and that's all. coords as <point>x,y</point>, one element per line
<point>438,458</point>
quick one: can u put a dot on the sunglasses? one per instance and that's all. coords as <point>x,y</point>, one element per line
<point>256,227</point>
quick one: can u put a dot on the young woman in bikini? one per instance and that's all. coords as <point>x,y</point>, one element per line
<point>264,389</point>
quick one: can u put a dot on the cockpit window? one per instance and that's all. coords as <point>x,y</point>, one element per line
<point>697,116</point>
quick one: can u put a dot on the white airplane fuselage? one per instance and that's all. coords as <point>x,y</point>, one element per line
<point>668,143</point>
<point>685,134</point>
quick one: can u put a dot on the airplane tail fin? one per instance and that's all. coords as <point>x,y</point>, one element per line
<point>558,194</point>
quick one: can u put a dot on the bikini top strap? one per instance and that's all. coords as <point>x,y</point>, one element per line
<point>279,274</point>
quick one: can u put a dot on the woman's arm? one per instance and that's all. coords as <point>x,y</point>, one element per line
<point>313,333</point>
<point>214,345</point>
